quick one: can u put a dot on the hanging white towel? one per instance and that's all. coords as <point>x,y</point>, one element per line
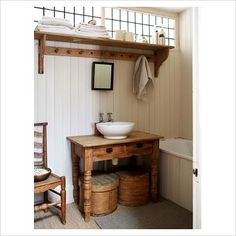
<point>142,76</point>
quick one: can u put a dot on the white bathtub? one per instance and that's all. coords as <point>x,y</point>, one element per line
<point>179,147</point>
<point>176,171</point>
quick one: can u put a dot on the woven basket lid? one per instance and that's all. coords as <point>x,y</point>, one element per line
<point>133,174</point>
<point>104,182</point>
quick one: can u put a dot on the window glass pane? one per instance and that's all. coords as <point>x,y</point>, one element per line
<point>79,10</point>
<point>171,23</point>
<point>97,11</point>
<point>78,19</point>
<point>131,27</point>
<point>108,24</point>
<point>152,20</point>
<point>166,33</point>
<point>151,30</point>
<point>123,25</point>
<point>165,22</point>
<point>138,17</point>
<point>131,16</point>
<point>172,33</point>
<point>139,29</point>
<point>145,18</point>
<point>123,15</point>
<point>48,13</point>
<point>108,13</point>
<point>158,28</point>
<point>116,14</point>
<point>159,21</point>
<point>88,11</point>
<point>172,42</point>
<point>145,30</point>
<point>116,25</point>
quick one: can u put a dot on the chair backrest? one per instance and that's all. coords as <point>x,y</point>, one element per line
<point>40,144</point>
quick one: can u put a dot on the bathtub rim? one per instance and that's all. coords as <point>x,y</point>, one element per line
<point>177,154</point>
<point>186,157</point>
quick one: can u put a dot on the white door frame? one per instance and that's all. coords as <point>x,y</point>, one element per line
<point>196,157</point>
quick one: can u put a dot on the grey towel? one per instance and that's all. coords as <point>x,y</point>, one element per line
<point>142,76</point>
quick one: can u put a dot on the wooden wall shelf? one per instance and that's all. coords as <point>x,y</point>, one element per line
<point>160,52</point>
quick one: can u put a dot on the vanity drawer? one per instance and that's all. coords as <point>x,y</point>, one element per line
<point>108,151</point>
<point>139,148</point>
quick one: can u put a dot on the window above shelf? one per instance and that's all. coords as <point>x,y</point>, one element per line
<point>160,52</point>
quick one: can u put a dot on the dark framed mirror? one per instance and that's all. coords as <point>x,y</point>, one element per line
<point>102,75</point>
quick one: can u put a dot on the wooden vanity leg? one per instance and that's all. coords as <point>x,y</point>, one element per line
<point>154,160</point>
<point>75,173</point>
<point>87,184</point>
<point>87,195</point>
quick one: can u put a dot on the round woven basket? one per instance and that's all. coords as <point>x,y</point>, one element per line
<point>133,187</point>
<point>104,194</point>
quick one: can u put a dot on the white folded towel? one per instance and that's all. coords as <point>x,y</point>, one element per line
<point>90,27</point>
<point>59,31</point>
<point>142,76</point>
<point>59,27</point>
<point>46,20</point>
<point>92,34</point>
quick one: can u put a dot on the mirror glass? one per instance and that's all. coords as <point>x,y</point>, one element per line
<point>102,76</point>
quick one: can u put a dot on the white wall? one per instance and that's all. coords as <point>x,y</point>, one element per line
<point>63,98</point>
<point>185,44</point>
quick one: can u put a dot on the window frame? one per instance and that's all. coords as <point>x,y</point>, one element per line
<point>140,24</point>
<point>145,10</point>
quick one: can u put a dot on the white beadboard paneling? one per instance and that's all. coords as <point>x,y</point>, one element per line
<point>74,96</point>
<point>185,21</point>
<point>62,112</point>
<point>176,180</point>
<point>49,105</point>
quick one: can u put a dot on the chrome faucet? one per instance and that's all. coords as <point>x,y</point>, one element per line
<point>109,117</point>
<point>101,117</point>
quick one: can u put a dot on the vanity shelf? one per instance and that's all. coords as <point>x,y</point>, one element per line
<point>160,52</point>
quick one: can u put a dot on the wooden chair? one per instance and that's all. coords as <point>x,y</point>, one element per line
<point>40,160</point>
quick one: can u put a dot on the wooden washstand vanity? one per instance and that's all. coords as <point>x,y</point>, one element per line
<point>92,148</point>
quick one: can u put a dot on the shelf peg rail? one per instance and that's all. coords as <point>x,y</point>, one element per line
<point>160,52</point>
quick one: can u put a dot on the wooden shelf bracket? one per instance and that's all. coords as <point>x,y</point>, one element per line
<point>41,53</point>
<point>161,56</point>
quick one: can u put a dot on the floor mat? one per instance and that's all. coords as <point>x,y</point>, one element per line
<point>161,215</point>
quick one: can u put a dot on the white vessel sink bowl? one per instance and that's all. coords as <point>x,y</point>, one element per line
<point>115,130</point>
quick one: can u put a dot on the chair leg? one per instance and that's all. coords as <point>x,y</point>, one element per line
<point>63,201</point>
<point>45,196</point>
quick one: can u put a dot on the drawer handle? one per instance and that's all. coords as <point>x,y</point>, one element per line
<point>109,150</point>
<point>139,145</point>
